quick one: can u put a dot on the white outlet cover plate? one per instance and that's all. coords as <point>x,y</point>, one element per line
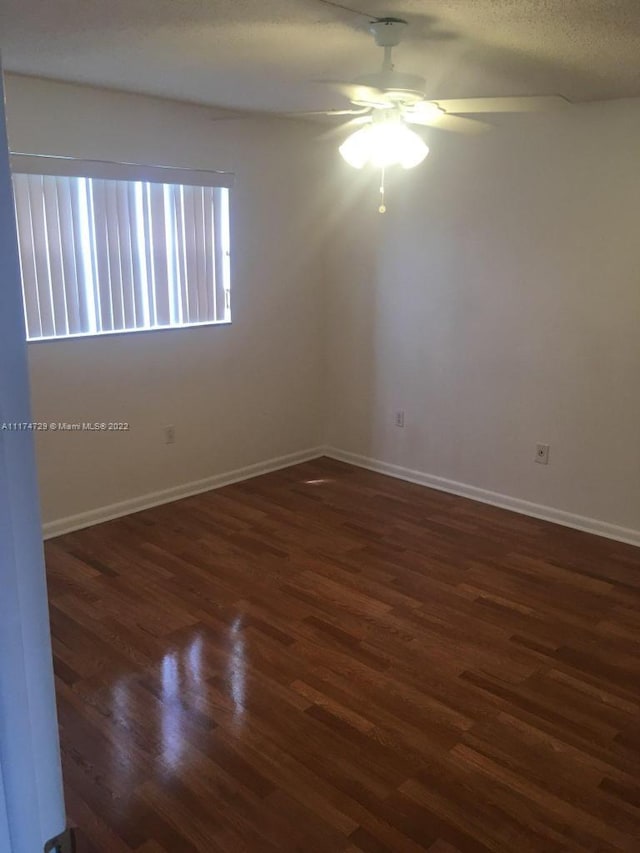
<point>542,454</point>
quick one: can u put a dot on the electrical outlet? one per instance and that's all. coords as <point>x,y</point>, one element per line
<point>169,434</point>
<point>542,454</point>
<point>399,418</point>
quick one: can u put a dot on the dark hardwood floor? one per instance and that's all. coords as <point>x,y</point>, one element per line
<point>324,659</point>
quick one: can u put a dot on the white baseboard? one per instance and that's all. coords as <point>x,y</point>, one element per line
<point>185,490</point>
<point>548,513</point>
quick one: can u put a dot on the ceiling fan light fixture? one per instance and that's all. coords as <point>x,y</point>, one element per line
<point>383,144</point>
<point>355,148</point>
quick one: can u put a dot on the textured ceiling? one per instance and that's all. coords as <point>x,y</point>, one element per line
<point>266,54</point>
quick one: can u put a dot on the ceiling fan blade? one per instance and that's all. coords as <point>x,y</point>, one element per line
<point>524,104</point>
<point>239,115</point>
<point>358,111</point>
<point>457,124</point>
<point>341,129</point>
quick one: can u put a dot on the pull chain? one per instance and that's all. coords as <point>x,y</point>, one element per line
<point>383,207</point>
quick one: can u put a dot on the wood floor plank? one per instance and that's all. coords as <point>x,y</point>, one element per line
<point>327,660</point>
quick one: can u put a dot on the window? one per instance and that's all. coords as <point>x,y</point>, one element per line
<point>117,248</point>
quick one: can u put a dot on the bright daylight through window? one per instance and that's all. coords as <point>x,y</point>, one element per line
<point>118,248</point>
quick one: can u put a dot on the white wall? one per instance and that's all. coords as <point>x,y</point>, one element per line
<point>498,303</point>
<point>236,394</point>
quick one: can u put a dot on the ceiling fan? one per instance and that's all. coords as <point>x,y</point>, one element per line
<point>387,101</point>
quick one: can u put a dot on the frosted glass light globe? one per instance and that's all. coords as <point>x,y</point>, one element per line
<point>382,144</point>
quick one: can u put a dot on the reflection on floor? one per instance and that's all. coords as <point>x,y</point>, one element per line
<point>324,659</point>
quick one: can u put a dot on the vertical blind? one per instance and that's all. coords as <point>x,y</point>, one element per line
<point>104,255</point>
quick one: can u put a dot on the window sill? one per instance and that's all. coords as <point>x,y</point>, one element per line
<point>116,332</point>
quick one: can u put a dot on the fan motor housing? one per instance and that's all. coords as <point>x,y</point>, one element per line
<point>395,87</point>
